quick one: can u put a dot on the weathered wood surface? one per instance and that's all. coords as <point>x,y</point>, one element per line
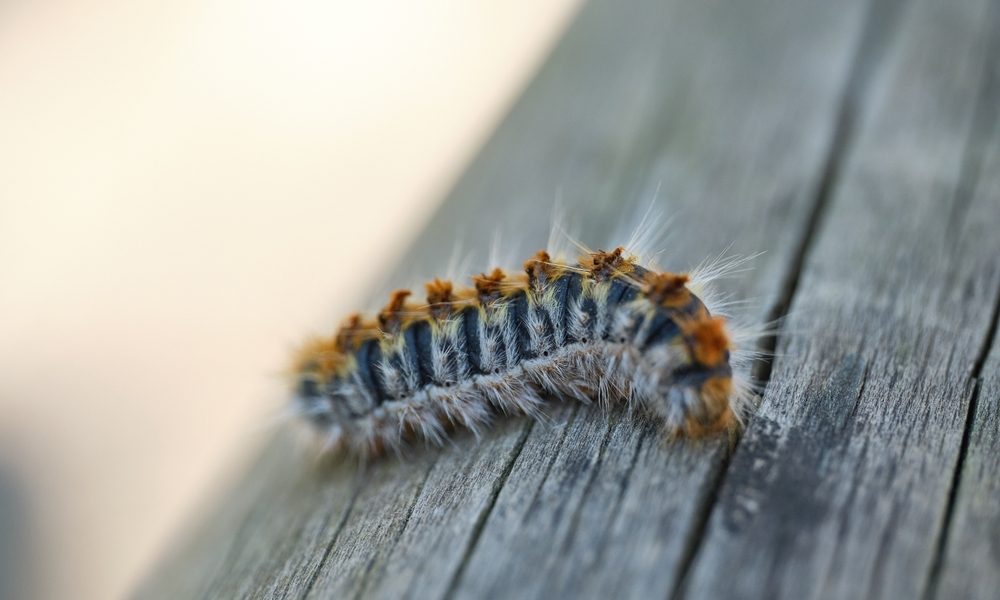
<point>857,144</point>
<point>971,545</point>
<point>842,482</point>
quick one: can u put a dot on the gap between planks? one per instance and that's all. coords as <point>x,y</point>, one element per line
<point>365,579</point>
<point>879,25</point>
<point>984,115</point>
<point>359,484</point>
<point>481,518</point>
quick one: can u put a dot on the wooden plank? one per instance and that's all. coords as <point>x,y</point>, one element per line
<point>971,560</point>
<point>610,509</point>
<point>693,119</point>
<point>973,549</point>
<point>840,488</point>
<point>374,554</point>
<point>261,531</point>
<point>731,110</point>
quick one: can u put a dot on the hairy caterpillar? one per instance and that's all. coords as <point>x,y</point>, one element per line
<point>603,327</point>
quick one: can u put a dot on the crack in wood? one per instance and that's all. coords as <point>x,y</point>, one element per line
<point>574,412</point>
<point>392,545</point>
<point>879,24</point>
<point>621,492</point>
<point>934,573</point>
<point>314,576</point>
<point>574,520</point>
<point>477,528</point>
<point>972,164</point>
<point>693,544</point>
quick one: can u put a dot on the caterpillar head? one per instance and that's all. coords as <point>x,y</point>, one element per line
<point>694,376</point>
<point>704,385</point>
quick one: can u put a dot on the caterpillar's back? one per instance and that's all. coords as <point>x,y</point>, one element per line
<point>604,328</point>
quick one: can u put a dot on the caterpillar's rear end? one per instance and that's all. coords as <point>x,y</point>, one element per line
<point>604,329</point>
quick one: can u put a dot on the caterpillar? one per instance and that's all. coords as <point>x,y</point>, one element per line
<point>601,328</point>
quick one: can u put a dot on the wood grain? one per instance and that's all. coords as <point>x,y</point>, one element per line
<point>838,138</point>
<point>972,549</point>
<point>840,488</point>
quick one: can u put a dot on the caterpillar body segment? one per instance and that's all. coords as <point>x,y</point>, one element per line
<point>604,329</point>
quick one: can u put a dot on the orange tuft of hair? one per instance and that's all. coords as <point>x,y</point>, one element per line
<point>726,421</point>
<point>667,289</point>
<point>716,393</point>
<point>709,340</point>
<point>605,265</point>
<point>349,335</point>
<point>391,317</point>
<point>718,416</point>
<point>439,297</point>
<point>540,268</point>
<point>323,356</point>
<point>490,286</point>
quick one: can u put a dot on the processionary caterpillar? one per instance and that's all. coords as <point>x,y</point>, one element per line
<point>603,327</point>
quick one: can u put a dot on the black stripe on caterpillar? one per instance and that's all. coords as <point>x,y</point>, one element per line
<point>604,328</point>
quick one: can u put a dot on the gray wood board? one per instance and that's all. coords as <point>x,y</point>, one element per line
<point>772,125</point>
<point>733,168</point>
<point>971,560</point>
<point>840,488</point>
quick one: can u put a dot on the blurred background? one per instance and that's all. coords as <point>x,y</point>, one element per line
<point>186,190</point>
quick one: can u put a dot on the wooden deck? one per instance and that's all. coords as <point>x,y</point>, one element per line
<point>856,143</point>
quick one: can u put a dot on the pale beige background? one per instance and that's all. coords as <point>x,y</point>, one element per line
<point>186,188</point>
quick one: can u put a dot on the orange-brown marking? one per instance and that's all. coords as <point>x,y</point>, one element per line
<point>327,356</point>
<point>391,317</point>
<point>715,393</point>
<point>718,416</point>
<point>709,340</point>
<point>439,297</point>
<point>726,421</point>
<point>605,265</point>
<point>540,269</point>
<point>667,289</point>
<point>322,356</point>
<point>490,287</point>
<point>349,335</point>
